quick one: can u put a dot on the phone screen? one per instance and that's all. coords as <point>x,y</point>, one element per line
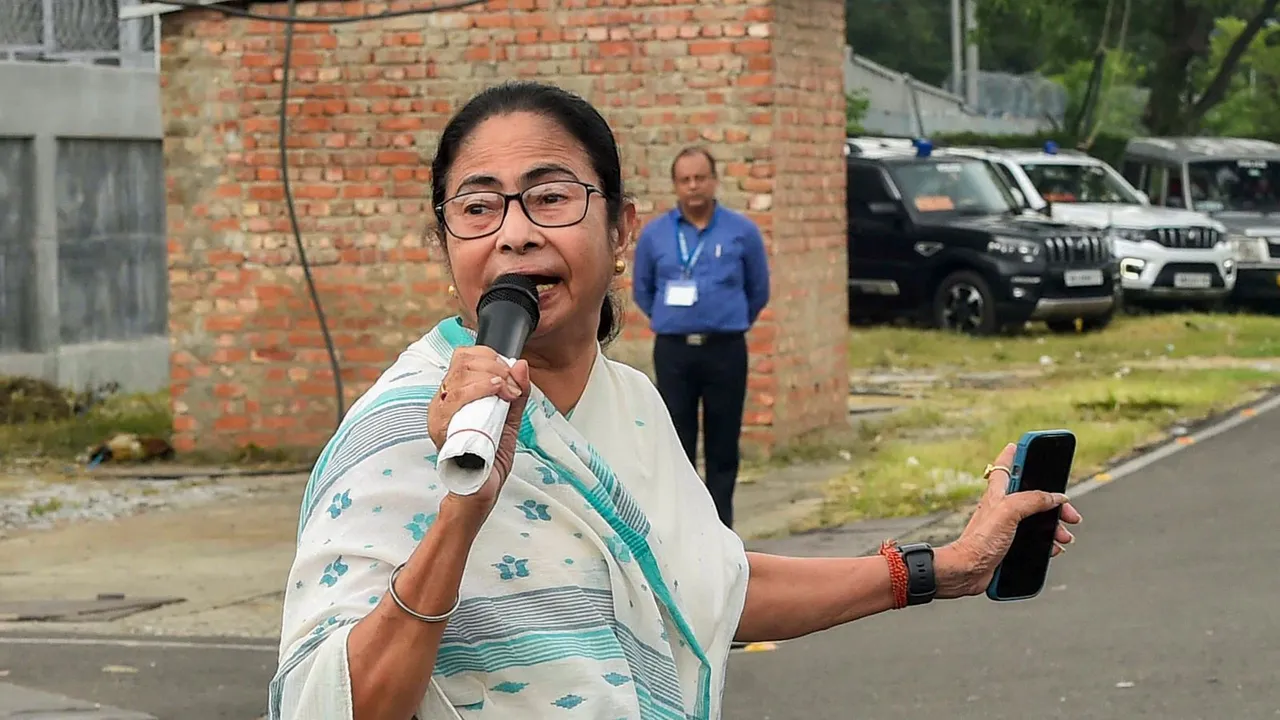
<point>1047,467</point>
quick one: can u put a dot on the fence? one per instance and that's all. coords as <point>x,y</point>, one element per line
<point>82,31</point>
<point>902,105</point>
<point>83,259</point>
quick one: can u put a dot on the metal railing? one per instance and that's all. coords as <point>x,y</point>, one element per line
<point>903,105</point>
<point>76,31</point>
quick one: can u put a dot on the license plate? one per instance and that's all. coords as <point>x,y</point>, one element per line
<point>1082,278</point>
<point>1197,281</point>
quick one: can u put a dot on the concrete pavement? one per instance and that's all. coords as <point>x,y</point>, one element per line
<point>1166,607</point>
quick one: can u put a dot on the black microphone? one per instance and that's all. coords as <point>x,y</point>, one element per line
<point>507,315</point>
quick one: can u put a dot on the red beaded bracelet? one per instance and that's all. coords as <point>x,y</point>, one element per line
<point>897,572</point>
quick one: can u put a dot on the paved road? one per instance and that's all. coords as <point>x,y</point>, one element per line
<point>204,679</point>
<point>1166,607</point>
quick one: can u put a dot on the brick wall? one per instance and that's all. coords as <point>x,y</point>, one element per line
<point>758,82</point>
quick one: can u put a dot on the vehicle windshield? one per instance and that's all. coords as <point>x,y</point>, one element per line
<point>1083,183</point>
<point>963,187</point>
<point>1234,184</point>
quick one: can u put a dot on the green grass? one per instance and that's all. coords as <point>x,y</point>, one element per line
<point>68,438</point>
<point>1129,339</point>
<point>931,456</point>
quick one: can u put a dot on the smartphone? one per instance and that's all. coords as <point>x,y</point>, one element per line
<point>1042,462</point>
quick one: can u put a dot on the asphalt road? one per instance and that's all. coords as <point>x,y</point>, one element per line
<point>1166,606</point>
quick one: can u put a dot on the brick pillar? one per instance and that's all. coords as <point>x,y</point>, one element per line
<point>759,83</point>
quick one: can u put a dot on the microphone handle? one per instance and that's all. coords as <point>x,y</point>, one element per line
<point>504,327</point>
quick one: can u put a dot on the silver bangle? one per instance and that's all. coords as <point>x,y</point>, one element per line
<point>391,590</point>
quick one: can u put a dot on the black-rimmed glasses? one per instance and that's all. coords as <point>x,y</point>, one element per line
<point>555,204</point>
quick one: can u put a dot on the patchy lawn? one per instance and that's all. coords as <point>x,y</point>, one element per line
<point>43,430</point>
<point>1130,339</point>
<point>930,456</point>
<point>958,401</point>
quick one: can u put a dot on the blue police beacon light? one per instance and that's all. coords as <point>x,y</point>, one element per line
<point>924,148</point>
<point>1051,148</point>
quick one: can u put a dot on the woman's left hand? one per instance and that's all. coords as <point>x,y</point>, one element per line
<point>966,566</point>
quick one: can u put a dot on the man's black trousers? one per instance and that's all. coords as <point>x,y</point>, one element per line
<point>711,368</point>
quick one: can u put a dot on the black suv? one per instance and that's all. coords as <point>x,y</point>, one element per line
<point>941,237</point>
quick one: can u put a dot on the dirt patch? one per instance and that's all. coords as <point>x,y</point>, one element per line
<point>228,559</point>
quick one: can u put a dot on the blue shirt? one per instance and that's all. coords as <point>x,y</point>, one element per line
<point>731,272</point>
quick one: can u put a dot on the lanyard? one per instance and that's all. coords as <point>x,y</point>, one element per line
<point>687,260</point>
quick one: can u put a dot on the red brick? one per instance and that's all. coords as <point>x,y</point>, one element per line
<point>249,363</point>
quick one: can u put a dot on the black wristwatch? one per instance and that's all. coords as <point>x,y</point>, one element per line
<point>921,583</point>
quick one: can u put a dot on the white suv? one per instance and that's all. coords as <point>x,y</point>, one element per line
<point>1163,253</point>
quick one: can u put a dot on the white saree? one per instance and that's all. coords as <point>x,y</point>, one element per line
<point>602,586</point>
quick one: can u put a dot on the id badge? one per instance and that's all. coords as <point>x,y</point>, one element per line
<point>682,293</point>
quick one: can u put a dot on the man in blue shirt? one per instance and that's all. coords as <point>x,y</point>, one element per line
<point>702,277</point>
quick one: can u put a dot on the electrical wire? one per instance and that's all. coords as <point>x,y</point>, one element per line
<point>290,19</point>
<point>331,20</point>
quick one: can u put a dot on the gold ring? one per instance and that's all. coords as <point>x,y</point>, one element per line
<point>986,474</point>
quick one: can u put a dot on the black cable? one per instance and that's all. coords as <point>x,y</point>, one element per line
<point>290,19</point>
<point>285,64</point>
<point>333,20</point>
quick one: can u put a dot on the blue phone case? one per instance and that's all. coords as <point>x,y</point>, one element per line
<point>1015,482</point>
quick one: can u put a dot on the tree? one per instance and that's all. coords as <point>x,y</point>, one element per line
<point>1166,45</point>
<point>856,105</point>
<point>1172,109</point>
<point>1252,103</point>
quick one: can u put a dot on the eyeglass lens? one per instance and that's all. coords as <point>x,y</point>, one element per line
<point>554,204</point>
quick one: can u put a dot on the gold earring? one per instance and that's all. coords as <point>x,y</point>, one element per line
<point>619,267</point>
<point>453,291</point>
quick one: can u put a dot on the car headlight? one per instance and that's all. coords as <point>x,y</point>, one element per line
<point>1249,249</point>
<point>1014,247</point>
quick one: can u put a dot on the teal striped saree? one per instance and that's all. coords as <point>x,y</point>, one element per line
<point>602,586</point>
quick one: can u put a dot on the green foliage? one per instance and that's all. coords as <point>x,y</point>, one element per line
<point>1172,49</point>
<point>856,105</point>
<point>910,36</point>
<point>1108,147</point>
<point>1252,107</point>
<point>1122,103</point>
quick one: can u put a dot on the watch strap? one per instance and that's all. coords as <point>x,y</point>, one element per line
<point>911,574</point>
<point>921,581</point>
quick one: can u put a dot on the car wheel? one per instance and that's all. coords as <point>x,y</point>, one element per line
<point>1096,323</point>
<point>963,303</point>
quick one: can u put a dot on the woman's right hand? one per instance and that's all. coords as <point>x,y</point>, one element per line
<point>477,372</point>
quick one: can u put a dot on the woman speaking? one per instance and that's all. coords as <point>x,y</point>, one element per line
<point>589,576</point>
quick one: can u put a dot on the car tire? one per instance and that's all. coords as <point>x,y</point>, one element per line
<point>1061,327</point>
<point>963,303</point>
<point>1097,322</point>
